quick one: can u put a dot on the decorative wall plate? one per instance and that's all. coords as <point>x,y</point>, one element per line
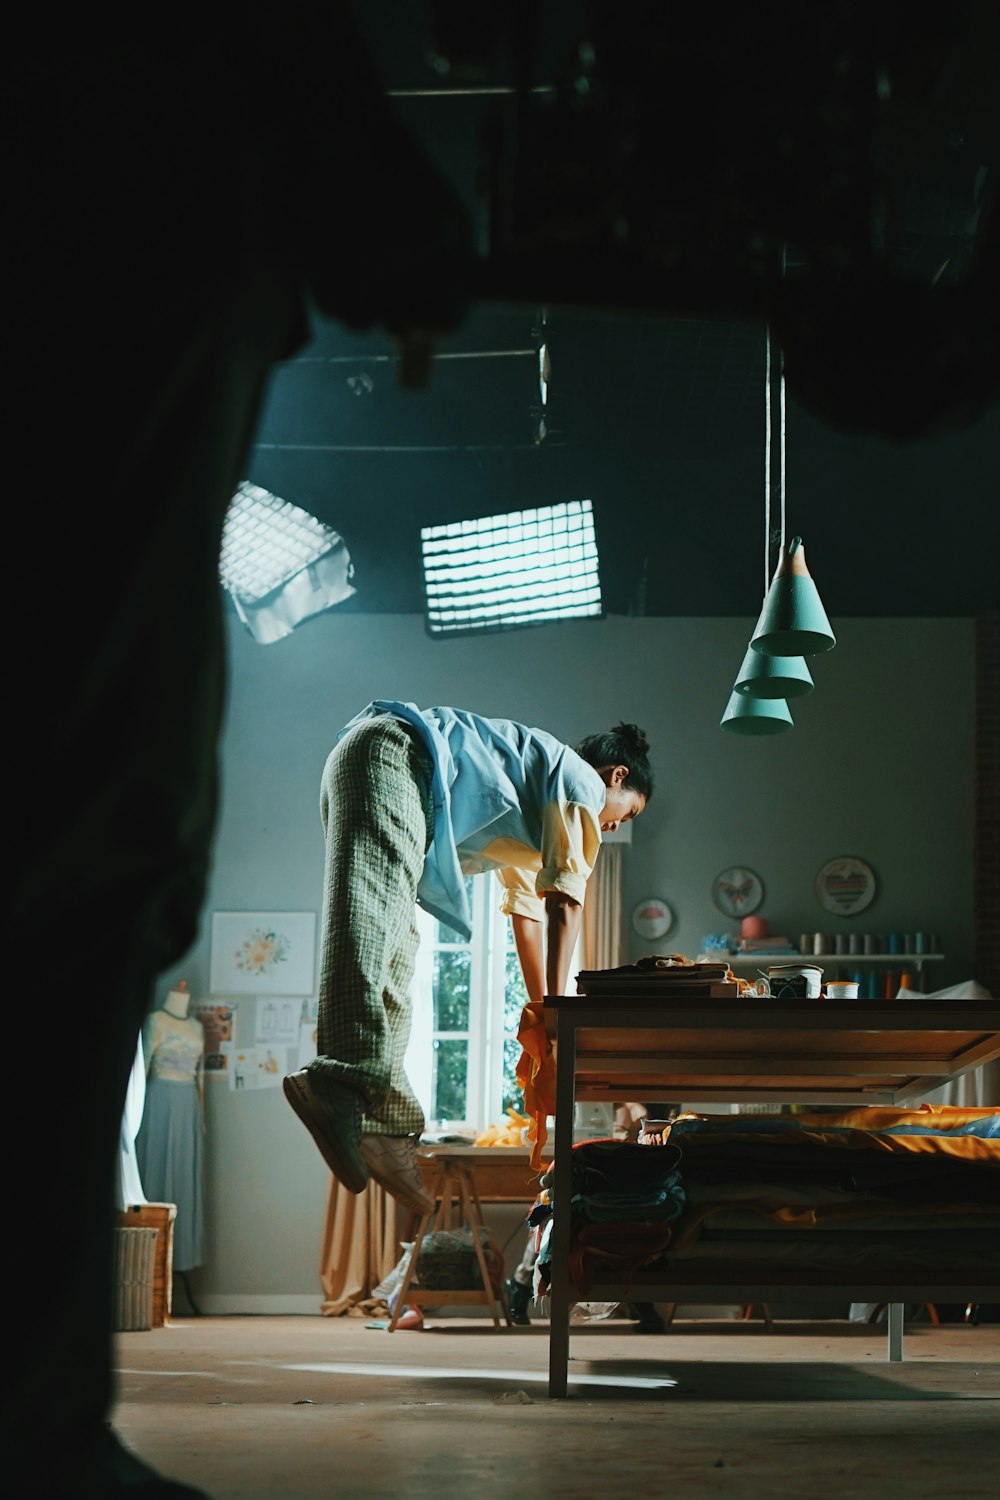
<point>846,885</point>
<point>737,891</point>
<point>652,918</point>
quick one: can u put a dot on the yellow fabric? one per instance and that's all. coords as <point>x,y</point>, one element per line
<point>519,895</point>
<point>881,1117</point>
<point>359,1246</point>
<point>965,1147</point>
<point>536,1073</point>
<point>571,842</point>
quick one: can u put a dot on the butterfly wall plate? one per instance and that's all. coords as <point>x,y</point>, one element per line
<point>737,891</point>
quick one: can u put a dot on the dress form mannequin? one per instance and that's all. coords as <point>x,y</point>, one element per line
<point>169,1146</point>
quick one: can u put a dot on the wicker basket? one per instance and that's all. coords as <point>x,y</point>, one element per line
<point>135,1250</point>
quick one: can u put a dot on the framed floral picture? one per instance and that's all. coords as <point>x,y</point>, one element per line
<point>263,952</point>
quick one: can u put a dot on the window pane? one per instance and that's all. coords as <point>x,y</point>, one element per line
<point>515,994</point>
<point>450,1072</point>
<point>451,990</point>
<point>512,1094</point>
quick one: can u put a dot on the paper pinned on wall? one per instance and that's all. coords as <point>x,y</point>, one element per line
<point>257,1067</point>
<point>218,1020</point>
<point>277,1021</point>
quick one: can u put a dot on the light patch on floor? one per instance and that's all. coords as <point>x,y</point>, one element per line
<point>460,1372</point>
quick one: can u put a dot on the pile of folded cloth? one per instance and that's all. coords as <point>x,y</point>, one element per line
<point>624,1201</point>
<point>876,1190</point>
<point>872,1192</point>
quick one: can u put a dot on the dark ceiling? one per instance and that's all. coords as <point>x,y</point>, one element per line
<point>652,188</point>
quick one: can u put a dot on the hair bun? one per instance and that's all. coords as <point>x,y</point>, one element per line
<point>633,737</point>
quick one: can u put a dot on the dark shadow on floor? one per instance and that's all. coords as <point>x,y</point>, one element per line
<point>752,1382</point>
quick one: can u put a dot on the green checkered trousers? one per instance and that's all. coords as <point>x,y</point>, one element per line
<point>377,815</point>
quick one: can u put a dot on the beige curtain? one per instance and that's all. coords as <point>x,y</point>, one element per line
<point>602,911</point>
<point>360,1246</point>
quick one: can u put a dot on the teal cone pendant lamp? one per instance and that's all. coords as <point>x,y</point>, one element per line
<point>756,716</point>
<point>793,621</point>
<point>763,676</point>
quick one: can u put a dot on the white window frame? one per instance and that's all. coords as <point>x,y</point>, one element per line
<point>492,939</point>
<point>485,1033</point>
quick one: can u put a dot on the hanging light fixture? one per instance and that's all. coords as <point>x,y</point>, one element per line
<point>792,621</point>
<point>747,715</point>
<point>757,705</point>
<point>763,676</point>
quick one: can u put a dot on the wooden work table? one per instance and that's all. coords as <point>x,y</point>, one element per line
<point>806,1052</point>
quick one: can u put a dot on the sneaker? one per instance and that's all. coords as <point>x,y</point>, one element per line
<point>392,1161</point>
<point>333,1119</point>
<point>518,1297</point>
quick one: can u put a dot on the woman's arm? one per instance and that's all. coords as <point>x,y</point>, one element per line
<point>563,920</point>
<point>528,945</point>
<point>545,950</point>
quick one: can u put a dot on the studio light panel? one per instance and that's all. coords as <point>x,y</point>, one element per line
<point>503,572</point>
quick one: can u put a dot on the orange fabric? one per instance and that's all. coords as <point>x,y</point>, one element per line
<point>612,1249</point>
<point>536,1073</point>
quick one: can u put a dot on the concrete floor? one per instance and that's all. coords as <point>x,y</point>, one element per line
<point>295,1408</point>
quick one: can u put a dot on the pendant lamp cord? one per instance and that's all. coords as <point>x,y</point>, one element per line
<point>781,477</point>
<point>778,361</point>
<point>767,459</point>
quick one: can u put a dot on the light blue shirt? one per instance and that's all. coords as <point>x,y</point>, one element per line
<point>506,798</point>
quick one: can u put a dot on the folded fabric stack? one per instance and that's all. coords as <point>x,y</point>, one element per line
<point>660,974</point>
<point>624,1200</point>
<point>883,1192</point>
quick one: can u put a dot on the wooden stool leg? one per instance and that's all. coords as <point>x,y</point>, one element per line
<point>423,1224</point>
<point>422,1229</point>
<point>472,1214</point>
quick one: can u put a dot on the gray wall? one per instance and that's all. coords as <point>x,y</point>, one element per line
<point>879,765</point>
